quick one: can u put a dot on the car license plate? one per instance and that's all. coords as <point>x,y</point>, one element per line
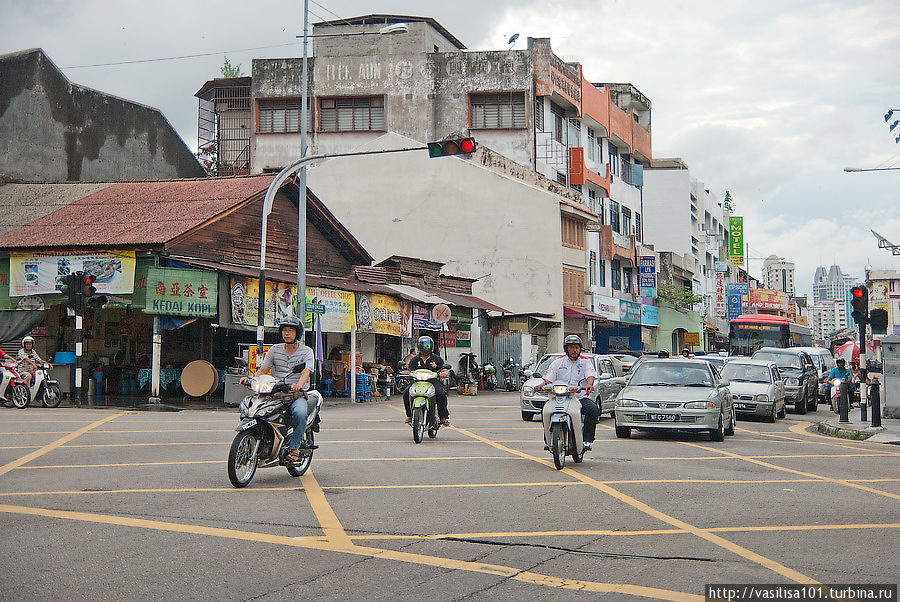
<point>742,406</point>
<point>246,425</point>
<point>664,417</point>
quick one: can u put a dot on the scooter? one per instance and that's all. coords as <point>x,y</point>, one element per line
<point>45,389</point>
<point>510,383</point>
<point>424,405</point>
<point>562,424</point>
<point>836,386</point>
<point>266,425</point>
<point>490,376</point>
<point>13,389</point>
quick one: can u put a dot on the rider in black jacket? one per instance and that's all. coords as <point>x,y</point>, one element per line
<point>425,359</point>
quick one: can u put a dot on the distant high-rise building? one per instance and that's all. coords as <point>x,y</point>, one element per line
<point>778,274</point>
<point>831,293</point>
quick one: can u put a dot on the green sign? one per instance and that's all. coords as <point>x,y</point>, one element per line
<point>315,308</point>
<point>178,292</point>
<point>736,240</point>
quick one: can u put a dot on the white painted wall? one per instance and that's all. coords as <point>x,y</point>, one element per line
<point>667,219</point>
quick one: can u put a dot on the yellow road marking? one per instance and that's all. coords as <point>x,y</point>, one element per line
<point>58,443</point>
<point>330,441</point>
<point>328,520</point>
<point>831,443</point>
<point>399,459</point>
<point>797,472</point>
<point>868,455</point>
<point>770,564</point>
<point>350,548</point>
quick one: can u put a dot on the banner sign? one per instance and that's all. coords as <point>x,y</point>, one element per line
<point>463,335</point>
<point>607,307</point>
<point>383,314</point>
<point>180,292</point>
<point>629,312</point>
<point>736,240</point>
<point>422,319</point>
<point>339,307</point>
<point>22,303</point>
<point>691,339</point>
<point>647,276</point>
<point>649,315</point>
<point>41,273</point>
<point>245,301</point>
<point>734,302</point>
<point>720,295</point>
<point>761,298</point>
<point>742,289</point>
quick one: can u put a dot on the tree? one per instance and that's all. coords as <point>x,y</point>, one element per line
<point>229,70</point>
<point>679,297</point>
<point>728,202</point>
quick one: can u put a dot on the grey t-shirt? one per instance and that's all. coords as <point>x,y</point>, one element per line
<point>281,364</point>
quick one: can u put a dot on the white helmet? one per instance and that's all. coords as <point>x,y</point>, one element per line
<point>27,340</point>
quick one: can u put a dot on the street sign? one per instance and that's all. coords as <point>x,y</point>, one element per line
<point>441,313</point>
<point>315,308</point>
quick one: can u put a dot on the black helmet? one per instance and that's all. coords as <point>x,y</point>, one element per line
<point>663,353</point>
<point>573,339</point>
<point>292,322</point>
<point>425,344</point>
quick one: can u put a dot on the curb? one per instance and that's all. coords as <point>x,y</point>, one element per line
<point>845,432</point>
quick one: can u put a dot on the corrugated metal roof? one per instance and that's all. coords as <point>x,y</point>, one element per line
<point>134,214</point>
<point>23,203</point>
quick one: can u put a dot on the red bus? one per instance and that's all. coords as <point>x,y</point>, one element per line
<point>749,332</point>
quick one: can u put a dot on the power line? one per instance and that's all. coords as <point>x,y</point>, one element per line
<point>175,58</point>
<point>328,10</point>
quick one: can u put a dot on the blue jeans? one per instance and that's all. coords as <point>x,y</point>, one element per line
<point>300,411</point>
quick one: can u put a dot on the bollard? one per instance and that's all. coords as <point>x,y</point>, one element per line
<point>875,397</point>
<point>862,402</point>
<point>844,402</point>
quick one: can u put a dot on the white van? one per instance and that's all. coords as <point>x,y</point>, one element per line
<point>824,362</point>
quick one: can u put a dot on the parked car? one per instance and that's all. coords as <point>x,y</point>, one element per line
<point>628,358</point>
<point>801,379</point>
<point>718,361</point>
<point>606,387</point>
<point>824,362</point>
<point>756,386</point>
<point>675,394</point>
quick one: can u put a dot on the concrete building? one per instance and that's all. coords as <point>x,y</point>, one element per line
<point>826,317</point>
<point>536,112</point>
<point>884,293</point>
<point>778,275</point>
<point>833,285</point>
<point>52,130</point>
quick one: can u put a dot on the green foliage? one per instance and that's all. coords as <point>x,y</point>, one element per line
<point>728,202</point>
<point>229,70</point>
<point>679,297</point>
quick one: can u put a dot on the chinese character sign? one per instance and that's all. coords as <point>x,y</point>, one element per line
<point>736,240</point>
<point>244,296</point>
<point>383,314</point>
<point>720,300</point>
<point>647,276</point>
<point>178,292</point>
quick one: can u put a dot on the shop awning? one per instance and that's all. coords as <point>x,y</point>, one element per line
<point>470,301</point>
<point>570,311</point>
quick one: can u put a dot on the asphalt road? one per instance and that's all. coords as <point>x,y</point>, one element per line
<point>111,504</point>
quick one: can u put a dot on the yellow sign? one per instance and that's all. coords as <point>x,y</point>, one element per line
<point>251,361</point>
<point>691,339</point>
<point>245,301</point>
<point>340,309</point>
<point>382,314</point>
<point>518,326</point>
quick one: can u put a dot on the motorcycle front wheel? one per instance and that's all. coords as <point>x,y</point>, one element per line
<point>296,470</point>
<point>559,444</point>
<point>52,396</point>
<point>21,396</point>
<point>242,459</point>
<point>418,423</point>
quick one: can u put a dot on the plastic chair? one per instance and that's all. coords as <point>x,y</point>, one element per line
<point>325,387</point>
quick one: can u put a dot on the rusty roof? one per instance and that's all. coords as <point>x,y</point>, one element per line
<point>135,214</point>
<point>23,203</point>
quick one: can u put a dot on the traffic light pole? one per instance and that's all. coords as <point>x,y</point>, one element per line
<point>79,323</point>
<point>863,397</point>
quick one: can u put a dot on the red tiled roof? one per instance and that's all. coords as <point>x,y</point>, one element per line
<point>136,214</point>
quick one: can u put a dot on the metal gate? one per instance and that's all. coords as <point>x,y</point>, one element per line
<point>496,349</point>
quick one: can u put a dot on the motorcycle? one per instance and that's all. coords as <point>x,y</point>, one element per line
<point>562,424</point>
<point>468,369</point>
<point>43,388</point>
<point>424,405</point>
<point>836,390</point>
<point>13,389</point>
<point>510,383</point>
<point>403,379</point>
<point>490,376</point>
<point>266,425</point>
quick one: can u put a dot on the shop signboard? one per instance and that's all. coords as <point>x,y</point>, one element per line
<point>463,335</point>
<point>180,292</point>
<point>383,314</point>
<point>422,319</point>
<point>649,315</point>
<point>736,240</point>
<point>721,266</point>
<point>767,299</point>
<point>251,355</point>
<point>335,310</point>
<point>448,335</point>
<point>720,301</point>
<point>21,303</point>
<point>629,312</point>
<point>735,303</point>
<point>742,289</point>
<point>41,273</point>
<point>607,307</point>
<point>244,295</point>
<point>647,277</point>
<point>691,339</point>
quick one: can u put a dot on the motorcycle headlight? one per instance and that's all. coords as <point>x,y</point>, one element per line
<point>261,387</point>
<point>628,403</point>
<point>793,381</point>
<point>244,407</point>
<point>762,397</point>
<point>527,391</point>
<point>429,392</point>
<point>560,389</point>
<point>699,405</point>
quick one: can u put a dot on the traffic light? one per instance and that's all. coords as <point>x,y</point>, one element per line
<point>859,299</point>
<point>878,320</point>
<point>68,288</point>
<point>454,146</point>
<point>88,291</point>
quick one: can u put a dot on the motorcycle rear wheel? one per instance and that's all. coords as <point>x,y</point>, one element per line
<point>297,470</point>
<point>52,396</point>
<point>21,396</point>
<point>418,424</point>
<point>242,459</point>
<point>559,444</point>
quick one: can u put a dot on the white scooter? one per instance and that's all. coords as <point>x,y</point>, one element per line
<point>13,390</point>
<point>43,388</point>
<point>836,386</point>
<point>562,424</point>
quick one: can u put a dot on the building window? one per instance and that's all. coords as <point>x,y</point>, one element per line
<point>576,187</point>
<point>614,216</point>
<point>561,178</point>
<point>626,169</point>
<point>559,123</point>
<point>574,134</point>
<point>278,116</point>
<point>573,233</point>
<point>627,280</point>
<point>626,221</point>
<point>600,210</point>
<point>573,287</point>
<point>591,145</point>
<point>616,273</point>
<point>601,273</point>
<point>539,114</point>
<point>592,268</point>
<point>504,110</point>
<point>638,231</point>
<point>351,114</point>
<point>613,160</point>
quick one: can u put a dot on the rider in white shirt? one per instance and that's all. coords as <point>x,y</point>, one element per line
<point>577,371</point>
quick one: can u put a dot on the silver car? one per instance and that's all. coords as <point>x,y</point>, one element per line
<point>608,384</point>
<point>756,386</point>
<point>675,394</point>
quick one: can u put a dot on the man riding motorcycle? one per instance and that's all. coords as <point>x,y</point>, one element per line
<point>426,360</point>
<point>29,359</point>
<point>280,361</point>
<point>577,371</point>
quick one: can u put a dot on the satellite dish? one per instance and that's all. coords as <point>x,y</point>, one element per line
<point>513,39</point>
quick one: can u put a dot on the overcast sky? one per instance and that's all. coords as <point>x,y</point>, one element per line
<point>767,99</point>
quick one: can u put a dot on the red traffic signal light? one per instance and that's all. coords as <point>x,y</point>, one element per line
<point>858,292</point>
<point>859,299</point>
<point>87,286</point>
<point>455,146</point>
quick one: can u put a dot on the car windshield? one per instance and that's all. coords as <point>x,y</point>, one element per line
<point>671,375</point>
<point>784,361</point>
<point>746,373</point>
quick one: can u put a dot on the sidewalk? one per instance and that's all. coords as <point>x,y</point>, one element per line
<point>176,404</point>
<point>856,429</point>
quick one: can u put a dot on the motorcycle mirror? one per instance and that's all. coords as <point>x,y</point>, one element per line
<point>605,376</point>
<point>536,375</point>
<point>447,367</point>
<point>240,362</point>
<point>299,367</point>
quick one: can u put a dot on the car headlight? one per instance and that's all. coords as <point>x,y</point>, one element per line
<point>527,391</point>
<point>762,397</point>
<point>560,389</point>
<point>699,405</point>
<point>793,381</point>
<point>628,403</point>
